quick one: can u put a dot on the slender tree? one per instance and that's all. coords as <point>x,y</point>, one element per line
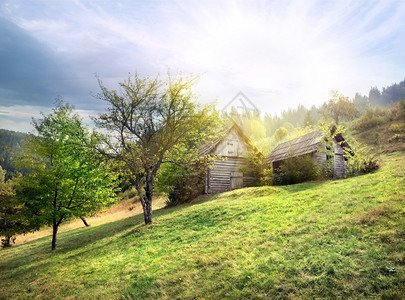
<point>145,121</point>
<point>68,177</point>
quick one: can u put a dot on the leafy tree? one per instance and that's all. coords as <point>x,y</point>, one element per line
<point>182,174</point>
<point>308,120</point>
<point>360,102</point>
<point>374,96</point>
<point>338,107</point>
<point>11,221</point>
<point>68,178</point>
<point>280,134</point>
<point>145,122</point>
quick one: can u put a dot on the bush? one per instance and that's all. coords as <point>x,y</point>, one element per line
<point>397,127</point>
<point>128,194</point>
<point>396,138</point>
<point>372,117</point>
<point>362,162</point>
<point>186,190</point>
<point>255,168</point>
<point>296,170</point>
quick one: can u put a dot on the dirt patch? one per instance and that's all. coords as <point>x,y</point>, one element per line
<point>114,213</point>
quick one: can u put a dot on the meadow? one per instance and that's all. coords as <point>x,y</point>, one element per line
<point>332,239</point>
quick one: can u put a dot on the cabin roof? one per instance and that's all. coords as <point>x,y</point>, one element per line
<point>305,144</point>
<point>210,146</point>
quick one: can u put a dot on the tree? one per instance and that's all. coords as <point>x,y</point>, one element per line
<point>10,211</point>
<point>338,107</point>
<point>280,134</point>
<point>308,120</point>
<point>145,121</point>
<point>183,172</point>
<point>68,177</point>
<point>360,102</point>
<point>374,96</point>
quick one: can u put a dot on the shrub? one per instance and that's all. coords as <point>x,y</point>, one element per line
<point>362,162</point>
<point>128,194</point>
<point>280,134</point>
<point>256,168</point>
<point>185,182</point>
<point>296,170</point>
<point>372,117</point>
<point>397,127</point>
<point>396,138</point>
<point>186,190</point>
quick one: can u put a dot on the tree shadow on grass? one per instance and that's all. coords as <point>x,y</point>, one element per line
<point>36,251</point>
<point>40,249</point>
<point>299,187</point>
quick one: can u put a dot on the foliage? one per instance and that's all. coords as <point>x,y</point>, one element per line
<point>388,95</point>
<point>280,134</point>
<point>382,127</point>
<point>145,122</point>
<point>257,169</point>
<point>338,107</point>
<point>397,127</point>
<point>10,211</point>
<point>188,182</point>
<point>68,177</point>
<point>361,102</point>
<point>297,170</point>
<point>358,158</point>
<point>330,240</point>
<point>182,175</point>
<point>128,194</point>
<point>372,117</point>
<point>308,120</point>
<point>362,162</point>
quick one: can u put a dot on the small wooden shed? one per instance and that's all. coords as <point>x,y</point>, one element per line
<point>311,144</point>
<point>233,148</point>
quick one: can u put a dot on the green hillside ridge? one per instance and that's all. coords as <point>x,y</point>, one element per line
<point>334,239</point>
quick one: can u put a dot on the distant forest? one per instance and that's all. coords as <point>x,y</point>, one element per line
<point>9,140</point>
<point>302,116</point>
<point>289,119</point>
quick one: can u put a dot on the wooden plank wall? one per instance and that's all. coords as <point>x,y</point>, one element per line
<point>219,178</point>
<point>339,161</point>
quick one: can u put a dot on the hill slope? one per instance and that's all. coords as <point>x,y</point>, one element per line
<point>335,239</point>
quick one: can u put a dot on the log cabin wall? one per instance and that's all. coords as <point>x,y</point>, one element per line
<point>226,174</point>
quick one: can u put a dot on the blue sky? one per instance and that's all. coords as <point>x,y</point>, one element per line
<point>279,53</point>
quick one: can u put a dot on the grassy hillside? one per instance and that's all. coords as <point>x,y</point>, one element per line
<point>335,239</point>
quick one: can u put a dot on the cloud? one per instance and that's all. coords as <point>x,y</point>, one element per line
<point>28,68</point>
<point>280,53</point>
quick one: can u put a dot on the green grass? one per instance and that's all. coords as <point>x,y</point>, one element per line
<point>335,239</point>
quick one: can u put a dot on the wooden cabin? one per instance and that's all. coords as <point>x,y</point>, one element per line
<point>233,148</point>
<point>311,144</point>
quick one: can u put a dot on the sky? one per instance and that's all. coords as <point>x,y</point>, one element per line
<point>278,53</point>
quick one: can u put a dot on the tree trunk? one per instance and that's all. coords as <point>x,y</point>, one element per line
<point>84,222</point>
<point>147,211</point>
<point>54,233</point>
<point>146,198</point>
